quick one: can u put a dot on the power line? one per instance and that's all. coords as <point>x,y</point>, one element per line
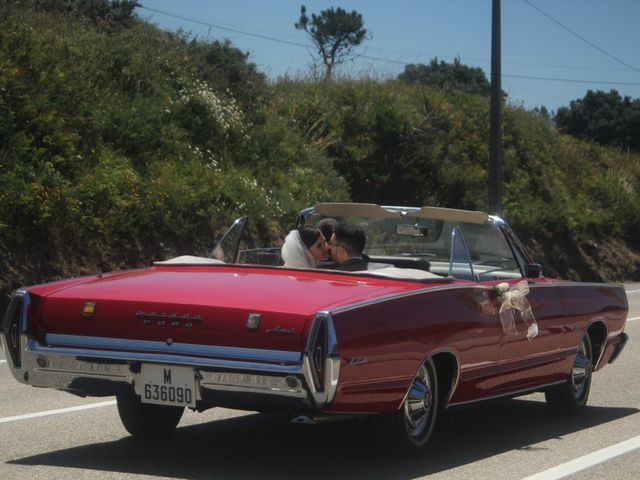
<point>537,92</point>
<point>581,37</point>
<point>372,57</point>
<point>571,80</point>
<point>505,62</point>
<point>228,29</point>
<point>566,67</point>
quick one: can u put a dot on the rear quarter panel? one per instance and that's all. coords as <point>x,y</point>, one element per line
<point>586,304</point>
<point>382,343</point>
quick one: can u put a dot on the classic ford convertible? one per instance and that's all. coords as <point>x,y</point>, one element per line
<point>455,311</point>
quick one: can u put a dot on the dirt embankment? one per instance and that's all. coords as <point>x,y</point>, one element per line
<point>603,260</point>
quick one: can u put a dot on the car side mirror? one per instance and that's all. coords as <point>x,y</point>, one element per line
<point>533,270</point>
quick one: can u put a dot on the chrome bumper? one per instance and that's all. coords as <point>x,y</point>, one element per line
<point>80,364</point>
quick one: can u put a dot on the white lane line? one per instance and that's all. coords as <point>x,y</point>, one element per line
<point>633,319</point>
<point>586,461</point>
<point>3,361</point>
<point>57,411</point>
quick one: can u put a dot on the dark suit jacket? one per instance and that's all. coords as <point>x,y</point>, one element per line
<point>354,264</point>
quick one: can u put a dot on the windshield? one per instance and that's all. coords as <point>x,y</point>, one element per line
<point>431,239</point>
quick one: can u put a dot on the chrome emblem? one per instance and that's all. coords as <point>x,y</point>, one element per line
<point>282,331</point>
<point>169,319</point>
<point>357,361</point>
<point>253,321</point>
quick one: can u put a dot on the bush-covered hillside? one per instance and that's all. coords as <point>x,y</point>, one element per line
<point>576,204</point>
<point>124,145</point>
<point>121,144</point>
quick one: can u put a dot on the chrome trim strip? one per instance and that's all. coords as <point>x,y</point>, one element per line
<point>456,231</point>
<point>249,382</point>
<point>603,321</point>
<point>456,380</point>
<point>515,393</point>
<point>497,221</point>
<point>249,389</point>
<point>62,371</point>
<point>152,346</point>
<point>454,286</point>
<point>35,348</point>
<point>591,284</point>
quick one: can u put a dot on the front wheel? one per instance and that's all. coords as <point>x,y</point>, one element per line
<point>571,396</point>
<point>144,419</point>
<point>410,428</point>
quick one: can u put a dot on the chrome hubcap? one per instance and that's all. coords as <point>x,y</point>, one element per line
<point>419,403</point>
<point>581,371</point>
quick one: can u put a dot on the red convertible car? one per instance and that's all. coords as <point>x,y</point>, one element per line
<point>453,310</point>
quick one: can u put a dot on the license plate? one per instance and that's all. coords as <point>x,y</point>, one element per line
<point>167,385</point>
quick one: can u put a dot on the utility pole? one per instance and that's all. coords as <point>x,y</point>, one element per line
<point>495,142</point>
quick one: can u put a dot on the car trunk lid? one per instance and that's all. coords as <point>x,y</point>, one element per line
<point>207,305</point>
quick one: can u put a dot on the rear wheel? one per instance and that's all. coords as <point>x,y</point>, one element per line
<point>571,396</point>
<point>144,419</point>
<point>410,428</point>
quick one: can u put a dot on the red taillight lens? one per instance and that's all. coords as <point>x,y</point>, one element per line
<point>318,353</point>
<point>321,360</point>
<point>12,325</point>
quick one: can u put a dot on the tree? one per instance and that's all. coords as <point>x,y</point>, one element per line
<point>105,14</point>
<point>447,75</point>
<point>335,33</point>
<point>603,117</point>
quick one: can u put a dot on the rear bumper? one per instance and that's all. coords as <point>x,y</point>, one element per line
<point>226,376</point>
<point>89,371</point>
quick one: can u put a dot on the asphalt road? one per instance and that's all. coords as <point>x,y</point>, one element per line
<point>509,439</point>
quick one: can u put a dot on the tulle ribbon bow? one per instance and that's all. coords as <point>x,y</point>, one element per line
<point>512,298</point>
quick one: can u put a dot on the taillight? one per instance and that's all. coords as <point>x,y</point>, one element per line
<point>12,326</point>
<point>322,360</point>
<point>320,354</point>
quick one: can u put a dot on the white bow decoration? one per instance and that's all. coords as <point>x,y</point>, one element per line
<point>512,298</point>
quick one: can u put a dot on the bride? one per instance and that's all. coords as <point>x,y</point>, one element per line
<point>305,247</point>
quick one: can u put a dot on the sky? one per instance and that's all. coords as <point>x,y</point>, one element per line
<point>553,51</point>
